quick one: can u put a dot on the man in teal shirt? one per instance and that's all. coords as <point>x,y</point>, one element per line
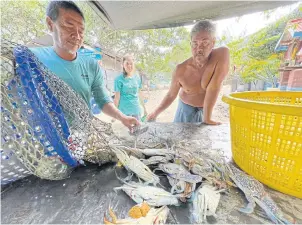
<point>82,74</point>
<point>66,23</point>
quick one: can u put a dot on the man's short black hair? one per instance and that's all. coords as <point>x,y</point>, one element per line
<point>53,8</point>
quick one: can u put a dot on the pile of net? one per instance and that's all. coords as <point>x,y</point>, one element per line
<point>46,127</point>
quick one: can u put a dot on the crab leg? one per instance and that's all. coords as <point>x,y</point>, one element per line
<point>249,208</point>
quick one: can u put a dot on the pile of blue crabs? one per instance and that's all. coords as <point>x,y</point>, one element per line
<point>199,179</point>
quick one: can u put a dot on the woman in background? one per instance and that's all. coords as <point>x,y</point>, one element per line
<point>127,88</point>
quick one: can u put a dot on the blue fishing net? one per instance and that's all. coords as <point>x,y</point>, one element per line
<point>46,127</point>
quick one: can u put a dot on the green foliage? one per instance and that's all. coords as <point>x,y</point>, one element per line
<point>22,21</point>
<point>254,56</point>
<point>266,70</point>
<point>165,62</point>
<point>156,51</point>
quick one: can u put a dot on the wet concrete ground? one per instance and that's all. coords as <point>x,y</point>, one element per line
<point>85,196</point>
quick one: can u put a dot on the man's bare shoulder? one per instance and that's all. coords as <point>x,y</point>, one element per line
<point>181,67</point>
<point>221,53</point>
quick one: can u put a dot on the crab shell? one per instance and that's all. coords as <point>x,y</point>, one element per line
<point>154,196</point>
<point>179,172</point>
<point>156,160</point>
<point>205,203</point>
<point>154,152</point>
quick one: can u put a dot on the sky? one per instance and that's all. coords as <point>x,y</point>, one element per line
<point>250,23</point>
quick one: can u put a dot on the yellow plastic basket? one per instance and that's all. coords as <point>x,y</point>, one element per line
<point>266,134</point>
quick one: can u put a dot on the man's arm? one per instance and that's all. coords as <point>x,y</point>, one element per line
<point>116,99</point>
<point>212,91</point>
<point>170,96</point>
<point>110,110</point>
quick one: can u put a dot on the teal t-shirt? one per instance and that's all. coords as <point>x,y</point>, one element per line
<point>129,88</point>
<point>83,74</point>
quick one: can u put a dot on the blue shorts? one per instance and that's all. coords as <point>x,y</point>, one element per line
<point>188,114</point>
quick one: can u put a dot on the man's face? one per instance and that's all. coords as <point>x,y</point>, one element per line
<point>68,30</point>
<point>202,44</point>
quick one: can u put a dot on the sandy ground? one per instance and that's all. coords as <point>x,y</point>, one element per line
<point>221,110</point>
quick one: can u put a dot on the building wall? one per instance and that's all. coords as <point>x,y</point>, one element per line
<point>109,77</point>
<point>111,62</point>
<point>237,86</point>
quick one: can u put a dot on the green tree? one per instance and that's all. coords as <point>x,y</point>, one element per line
<point>265,70</point>
<point>23,21</point>
<point>254,57</point>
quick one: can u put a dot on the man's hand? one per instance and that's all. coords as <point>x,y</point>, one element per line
<point>130,122</point>
<point>211,122</point>
<point>112,111</point>
<point>152,116</point>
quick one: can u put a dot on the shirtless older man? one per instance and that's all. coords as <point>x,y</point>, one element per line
<point>199,78</point>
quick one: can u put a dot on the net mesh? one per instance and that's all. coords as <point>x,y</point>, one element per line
<point>45,124</point>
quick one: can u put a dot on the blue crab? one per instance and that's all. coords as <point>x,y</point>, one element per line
<point>209,166</point>
<point>205,202</point>
<point>255,194</point>
<point>154,196</point>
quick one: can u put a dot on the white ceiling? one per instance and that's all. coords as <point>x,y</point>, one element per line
<point>126,15</point>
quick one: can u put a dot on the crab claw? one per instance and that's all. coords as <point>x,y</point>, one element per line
<point>105,220</point>
<point>113,216</point>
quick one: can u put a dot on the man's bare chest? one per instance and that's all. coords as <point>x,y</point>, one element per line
<point>201,77</point>
<point>190,79</point>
